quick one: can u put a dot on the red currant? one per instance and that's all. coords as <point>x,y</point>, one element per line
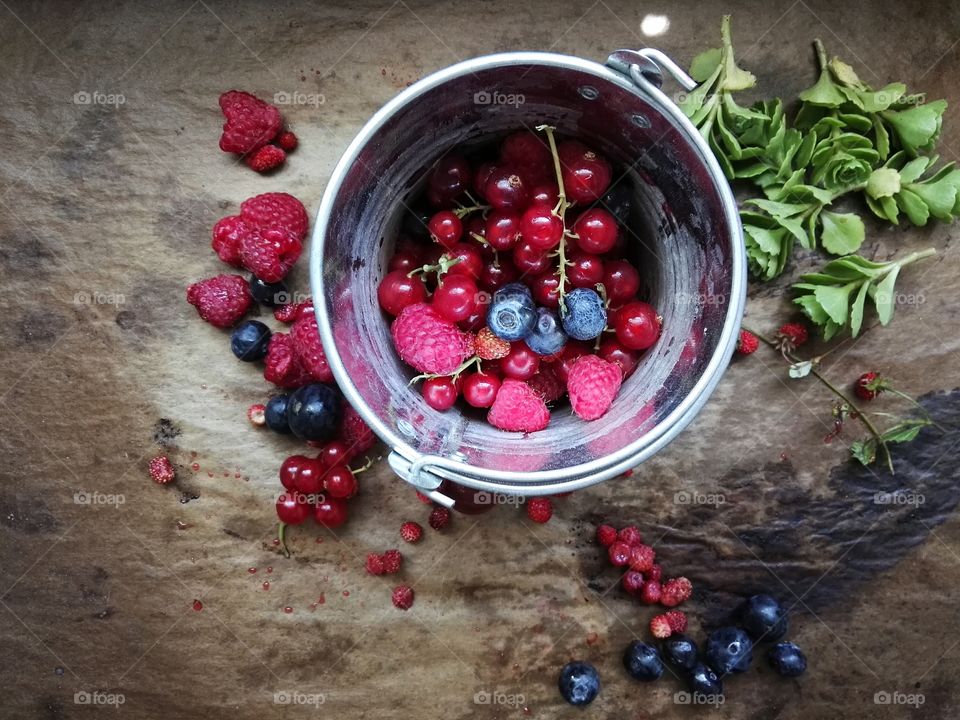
<point>530,260</point>
<point>397,290</point>
<point>469,260</point>
<point>637,325</point>
<point>497,274</point>
<point>289,470</point>
<point>335,453</point>
<point>525,149</point>
<point>612,350</point>
<point>545,195</point>
<point>596,231</point>
<point>340,482</point>
<point>330,512</point>
<point>404,261</point>
<point>503,229</point>
<point>292,508</point>
<point>479,318</point>
<point>546,289</point>
<point>480,389</point>
<point>450,178</point>
<point>480,178</point>
<point>446,228</point>
<point>476,225</point>
<point>621,280</point>
<point>310,476</point>
<point>457,298</point>
<point>585,271</point>
<point>541,228</point>
<point>586,175</point>
<point>521,363</point>
<point>440,393</point>
<point>506,190</point>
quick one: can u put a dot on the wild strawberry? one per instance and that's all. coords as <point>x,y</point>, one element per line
<point>517,408</point>
<point>606,535</point>
<point>267,158</point>
<point>306,343</point>
<point>222,300</point>
<point>654,573</point>
<point>270,253</point>
<point>256,414</point>
<point>439,517</point>
<point>747,343</point>
<point>539,509</point>
<point>402,597</point>
<point>251,122</point>
<point>592,384</point>
<point>354,432</point>
<point>547,384</point>
<point>791,336</point>
<point>677,620</point>
<point>630,535</point>
<point>282,366</point>
<point>276,210</point>
<point>619,553</point>
<point>375,564</point>
<point>489,347</point>
<point>651,593</point>
<point>227,234</point>
<point>392,559</point>
<point>660,627</point>
<point>869,385</point>
<point>427,342</point>
<point>288,141</point>
<point>161,470</point>
<point>641,558</point>
<point>411,532</point>
<point>632,582</point>
<point>675,591</point>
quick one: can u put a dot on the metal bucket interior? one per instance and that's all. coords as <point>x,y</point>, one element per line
<point>683,235</point>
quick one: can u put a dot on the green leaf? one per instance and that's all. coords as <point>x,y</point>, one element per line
<point>855,121</point>
<point>705,64</point>
<point>874,101</point>
<point>883,138</point>
<point>734,77</point>
<point>811,308</point>
<point>939,197</point>
<point>835,301</point>
<point>856,310</point>
<point>883,182</point>
<point>824,93</point>
<point>891,209</point>
<point>777,209</point>
<point>914,206</point>
<point>845,74</point>
<point>905,431</point>
<point>917,127</point>
<point>914,169</point>
<point>843,233</point>
<point>865,451</point>
<point>883,297</point>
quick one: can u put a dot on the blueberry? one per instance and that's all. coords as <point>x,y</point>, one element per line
<point>618,201</point>
<point>681,651</point>
<point>249,341</point>
<point>579,683</point>
<point>269,294</point>
<point>642,661</point>
<point>512,314</point>
<point>548,336</point>
<point>704,681</point>
<point>586,316</point>
<point>729,650</point>
<point>787,659</point>
<point>276,414</point>
<point>763,618</point>
<point>314,412</point>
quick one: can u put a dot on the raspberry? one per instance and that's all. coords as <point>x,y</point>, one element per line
<point>293,312</point>
<point>267,158</point>
<point>161,470</point>
<point>256,414</point>
<point>641,558</point>
<point>540,510</point>
<point>619,553</point>
<point>489,347</point>
<point>307,345</point>
<point>227,234</point>
<point>517,408</point>
<point>677,620</point>
<point>547,384</point>
<point>222,300</point>
<point>592,384</point>
<point>660,627</point>
<point>654,573</point>
<point>411,532</point>
<point>270,253</point>
<point>652,590</point>
<point>392,559</point>
<point>439,517</point>
<point>675,591</point>
<point>375,564</point>
<point>747,343</point>
<point>606,535</point>
<point>427,342</point>
<point>288,141</point>
<point>630,535</point>
<point>276,210</point>
<point>632,582</point>
<point>282,366</point>
<point>402,597</point>
<point>869,385</point>
<point>354,432</point>
<point>791,336</point>
<point>251,123</point>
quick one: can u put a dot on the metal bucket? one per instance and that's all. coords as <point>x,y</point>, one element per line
<point>685,233</point>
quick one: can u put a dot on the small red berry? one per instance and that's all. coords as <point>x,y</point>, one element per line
<point>655,572</point>
<point>292,508</point>
<point>606,535</point>
<point>256,414</point>
<point>402,597</point>
<point>445,228</point>
<point>162,470</point>
<point>539,509</point>
<point>480,389</point>
<point>676,591</point>
<point>289,469</point>
<point>439,517</point>
<point>521,363</point>
<point>632,582</point>
<point>619,553</point>
<point>868,386</point>
<point>506,190</point>
<point>660,627</point>
<point>331,513</point>
<point>411,532</point>
<point>612,350</point>
<point>585,270</point>
<point>791,336</point>
<point>448,180</point>
<point>677,620</point>
<point>335,453</point>
<point>652,591</point>
<point>489,346</point>
<point>630,535</point>
<point>503,229</point>
<point>392,560</point>
<point>641,558</point>
<point>398,289</point>
<point>440,393</point>
<point>637,325</point>
<point>469,261</point>
<point>288,141</point>
<point>596,231</point>
<point>747,343</point>
<point>267,158</point>
<point>457,298</point>
<point>309,476</point>
<point>340,482</point>
<point>541,228</point>
<point>621,280</point>
<point>375,564</point>
<point>531,260</point>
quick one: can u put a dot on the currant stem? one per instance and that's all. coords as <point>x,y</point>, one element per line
<point>463,211</point>
<point>560,210</point>
<point>366,466</point>
<point>281,534</point>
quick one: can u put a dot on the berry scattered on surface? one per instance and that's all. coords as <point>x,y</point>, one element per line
<point>660,627</point>
<point>642,557</point>
<point>606,535</point>
<point>276,211</point>
<point>681,652</point>
<point>374,564</point>
<point>270,253</point>
<point>269,294</point>
<point>642,661</point>
<point>704,681</point>
<point>676,591</point>
<point>439,518</point>
<point>330,512</point>
<point>787,659</point>
<point>162,470</point>
<point>729,650</point>
<point>402,597</point>
<point>292,508</point>
<point>392,561</point>
<point>282,365</point>
<point>677,620</point>
<point>257,414</point>
<point>339,482</point>
<point>763,618</point>
<point>288,141</point>
<point>652,592</point>
<point>227,234</point>
<point>791,336</point>
<point>539,509</point>
<point>619,553</point>
<point>249,341</point>
<point>579,683</point>
<point>411,532</point>
<point>266,159</point>
<point>313,412</point>
<point>275,414</point>
<point>868,386</point>
<point>632,582</point>
<point>630,535</point>
<point>221,300</point>
<point>250,122</point>
<point>305,338</point>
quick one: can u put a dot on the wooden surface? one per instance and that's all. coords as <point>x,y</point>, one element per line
<point>105,212</point>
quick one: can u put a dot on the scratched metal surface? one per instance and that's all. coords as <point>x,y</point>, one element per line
<point>105,211</point>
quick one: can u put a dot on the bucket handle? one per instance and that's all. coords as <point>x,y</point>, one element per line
<point>645,67</point>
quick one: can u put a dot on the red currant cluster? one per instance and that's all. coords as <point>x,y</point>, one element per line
<point>539,213</point>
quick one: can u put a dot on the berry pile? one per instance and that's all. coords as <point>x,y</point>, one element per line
<point>513,290</point>
<point>254,130</point>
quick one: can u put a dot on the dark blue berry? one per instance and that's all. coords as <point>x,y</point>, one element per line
<point>314,412</point>
<point>276,414</point>
<point>512,314</point>
<point>681,652</point>
<point>249,340</point>
<point>729,650</point>
<point>579,683</point>
<point>269,294</point>
<point>618,201</point>
<point>787,659</point>
<point>586,316</point>
<point>704,681</point>
<point>547,336</point>
<point>642,661</point>
<point>763,618</point>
